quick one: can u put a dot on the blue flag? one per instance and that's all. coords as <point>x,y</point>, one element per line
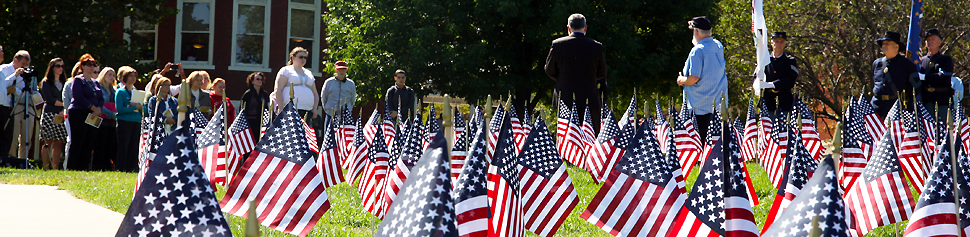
<point>915,15</point>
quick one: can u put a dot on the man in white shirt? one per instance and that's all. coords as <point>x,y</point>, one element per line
<point>11,87</point>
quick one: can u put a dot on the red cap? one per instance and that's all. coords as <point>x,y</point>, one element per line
<point>340,65</point>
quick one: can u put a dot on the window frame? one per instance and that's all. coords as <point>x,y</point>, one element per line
<point>178,36</point>
<point>315,68</point>
<point>238,66</point>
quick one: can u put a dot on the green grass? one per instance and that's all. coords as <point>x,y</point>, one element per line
<point>113,191</point>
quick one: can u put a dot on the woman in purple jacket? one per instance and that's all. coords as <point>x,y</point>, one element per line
<point>87,98</point>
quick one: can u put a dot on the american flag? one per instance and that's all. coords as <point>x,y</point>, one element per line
<point>749,137</point>
<point>432,127</point>
<point>880,196</point>
<point>176,197</point>
<point>329,160</point>
<point>426,207</point>
<point>607,112</point>
<point>518,132</point>
<point>212,149</point>
<point>345,134</point>
<point>503,186</point>
<point>460,124</point>
<point>642,195</point>
<point>470,193</point>
<point>935,213</point>
<point>493,129</point>
<point>389,131</point>
<point>739,219</point>
<point>526,124</point>
<point>156,134</point>
<point>689,146</point>
<point>375,168</point>
<point>663,128</point>
<point>311,137</point>
<point>822,203</point>
<point>199,122</point>
<point>927,132</point>
<point>266,119</point>
<point>808,130</point>
<point>282,179</point>
<point>587,135</point>
<point>906,129</point>
<point>629,117</point>
<point>853,136</point>
<point>773,157</point>
<point>363,139</point>
<point>604,154</point>
<point>460,150</point>
<point>240,142</point>
<point>571,148</point>
<point>748,183</point>
<point>703,212</point>
<point>352,154</point>
<point>764,130</point>
<point>801,167</point>
<point>400,166</point>
<point>963,187</point>
<point>959,116</point>
<point>547,192</point>
<point>873,124</point>
<point>713,133</point>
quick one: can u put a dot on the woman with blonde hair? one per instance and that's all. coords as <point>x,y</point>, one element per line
<point>129,121</point>
<point>199,98</point>
<point>105,155</point>
<point>53,132</point>
<point>218,86</point>
<point>163,103</point>
<point>302,80</point>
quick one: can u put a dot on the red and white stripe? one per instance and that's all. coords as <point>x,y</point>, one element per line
<point>626,206</point>
<point>518,132</point>
<point>878,203</point>
<point>330,167</point>
<point>546,202</point>
<point>662,130</point>
<point>371,183</point>
<point>389,132</point>
<point>288,197</point>
<point>345,141</point>
<point>811,139</point>
<point>472,216</point>
<point>457,164</point>
<point>773,159</point>
<point>602,157</point>
<point>311,137</point>
<point>571,148</point>
<point>687,225</point>
<point>853,163</point>
<point>506,218</point>
<point>874,126</point>
<point>938,219</point>
<point>780,204</point>
<point>392,185</point>
<point>238,145</point>
<point>909,157</point>
<point>739,219</point>
<point>688,148</point>
<point>213,160</point>
<point>749,140</point>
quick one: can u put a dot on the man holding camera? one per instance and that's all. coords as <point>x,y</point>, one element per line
<point>13,104</point>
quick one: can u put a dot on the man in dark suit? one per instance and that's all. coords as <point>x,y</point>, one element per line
<point>935,70</point>
<point>894,76</point>
<point>578,65</point>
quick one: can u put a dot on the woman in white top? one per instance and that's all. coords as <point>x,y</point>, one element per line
<point>304,91</point>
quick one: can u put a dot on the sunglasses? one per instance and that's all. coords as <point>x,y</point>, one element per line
<point>58,65</point>
<point>302,57</point>
<point>257,79</point>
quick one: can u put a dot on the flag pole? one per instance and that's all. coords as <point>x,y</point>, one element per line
<point>950,120</point>
<point>252,223</point>
<point>183,99</point>
<point>449,130</point>
<point>488,111</point>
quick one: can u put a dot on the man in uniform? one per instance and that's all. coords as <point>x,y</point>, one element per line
<point>935,71</point>
<point>780,75</point>
<point>894,76</point>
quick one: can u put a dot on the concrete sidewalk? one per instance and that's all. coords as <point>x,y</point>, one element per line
<point>40,210</point>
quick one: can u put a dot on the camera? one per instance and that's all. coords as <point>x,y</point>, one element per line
<point>29,75</point>
<point>174,67</point>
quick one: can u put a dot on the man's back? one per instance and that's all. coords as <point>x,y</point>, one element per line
<point>576,62</point>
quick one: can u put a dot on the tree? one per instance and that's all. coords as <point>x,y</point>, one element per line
<point>67,29</point>
<point>475,48</point>
<point>834,41</point>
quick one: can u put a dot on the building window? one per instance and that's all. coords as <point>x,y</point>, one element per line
<point>250,44</point>
<point>194,37</point>
<point>143,34</point>
<point>305,31</point>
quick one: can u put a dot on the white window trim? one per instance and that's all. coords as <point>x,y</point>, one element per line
<point>237,66</point>
<point>205,65</point>
<point>127,38</point>
<point>316,32</point>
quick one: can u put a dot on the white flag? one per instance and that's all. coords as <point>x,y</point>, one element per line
<point>760,32</point>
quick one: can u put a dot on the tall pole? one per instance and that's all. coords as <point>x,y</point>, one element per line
<point>950,120</point>
<point>488,111</point>
<point>448,124</point>
<point>225,128</point>
<point>184,104</point>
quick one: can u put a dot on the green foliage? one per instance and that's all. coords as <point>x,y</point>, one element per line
<point>498,47</point>
<point>68,29</point>
<point>834,41</point>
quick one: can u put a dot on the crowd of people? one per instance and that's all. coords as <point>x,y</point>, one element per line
<point>67,98</point>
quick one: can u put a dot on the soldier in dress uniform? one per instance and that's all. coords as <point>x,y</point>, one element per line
<point>935,69</point>
<point>780,75</point>
<point>894,76</point>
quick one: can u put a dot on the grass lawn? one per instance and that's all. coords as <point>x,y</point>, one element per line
<point>113,190</point>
